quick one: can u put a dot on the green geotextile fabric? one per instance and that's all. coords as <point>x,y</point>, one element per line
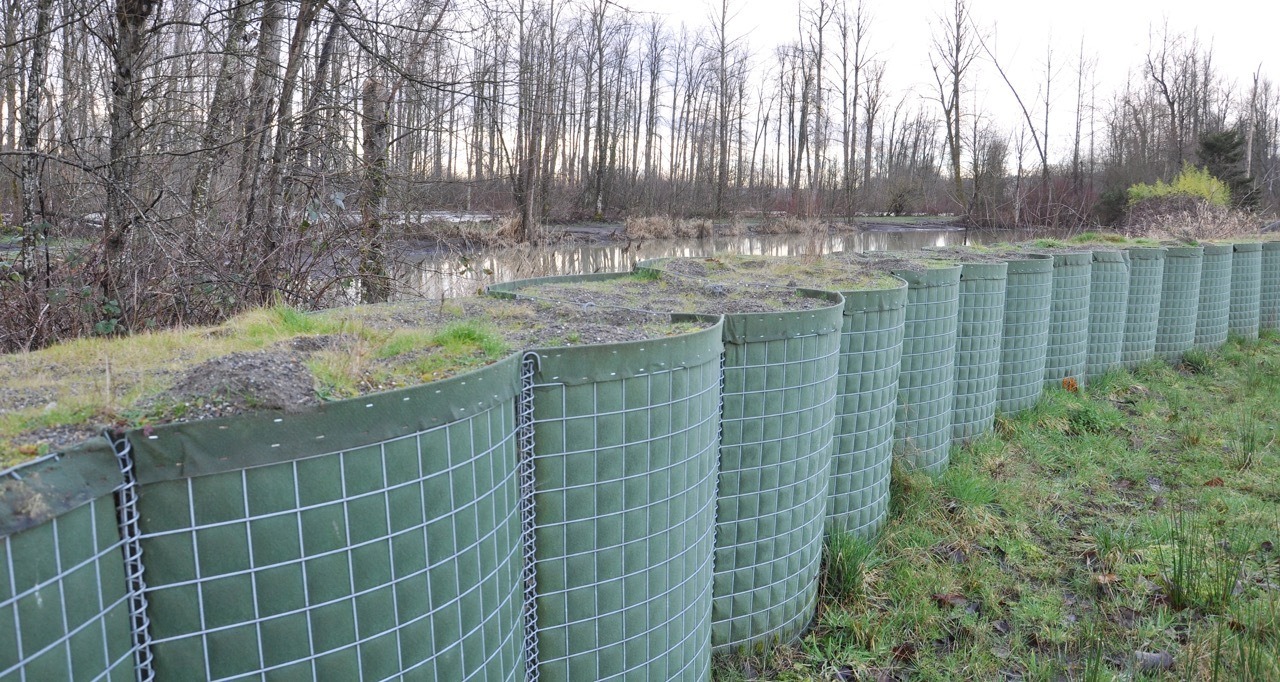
<point>1269,298</point>
<point>1027,304</point>
<point>625,446</point>
<point>1179,301</point>
<point>775,455</point>
<point>377,537</point>
<point>1213,311</point>
<point>1146,280</point>
<point>979,326</point>
<point>1108,301</point>
<point>1068,346</point>
<point>1246,290</point>
<point>862,451</point>
<point>927,378</point>
<point>64,601</point>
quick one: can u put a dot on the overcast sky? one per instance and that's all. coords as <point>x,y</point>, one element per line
<point>1245,34</point>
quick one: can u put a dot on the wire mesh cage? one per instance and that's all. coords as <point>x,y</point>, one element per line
<point>926,381</point>
<point>1179,301</point>
<point>1068,346</point>
<point>1142,315</point>
<point>1108,302</point>
<point>979,327</point>
<point>1213,311</point>
<point>1246,290</point>
<point>1025,336</point>
<point>371,538</point>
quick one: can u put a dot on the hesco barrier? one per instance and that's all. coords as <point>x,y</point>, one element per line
<point>625,449</point>
<point>1179,301</point>
<point>65,601</point>
<point>364,539</point>
<point>1213,310</point>
<point>1108,302</point>
<point>926,381</point>
<point>1027,303</point>
<point>1146,279</point>
<point>1269,298</point>
<point>862,454</point>
<point>1246,290</point>
<point>778,408</point>
<point>979,326</point>
<point>780,381</point>
<point>1068,345</point>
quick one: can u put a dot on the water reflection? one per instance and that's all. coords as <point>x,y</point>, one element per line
<point>441,275</point>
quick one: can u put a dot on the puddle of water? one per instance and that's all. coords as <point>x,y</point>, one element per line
<point>443,275</point>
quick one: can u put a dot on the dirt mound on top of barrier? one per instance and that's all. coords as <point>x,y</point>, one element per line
<point>756,271</point>
<point>239,382</point>
<point>670,294</point>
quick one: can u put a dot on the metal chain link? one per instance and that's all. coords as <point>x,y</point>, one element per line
<point>525,468</point>
<point>127,516</point>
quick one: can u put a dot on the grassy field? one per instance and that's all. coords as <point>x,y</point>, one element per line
<point>1128,531</point>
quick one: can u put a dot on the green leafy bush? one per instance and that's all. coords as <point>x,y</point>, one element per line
<point>1192,183</point>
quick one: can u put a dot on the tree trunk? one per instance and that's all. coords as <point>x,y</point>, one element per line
<point>122,211</point>
<point>375,286</point>
<point>32,191</point>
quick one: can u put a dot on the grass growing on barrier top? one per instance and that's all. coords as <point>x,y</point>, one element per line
<point>275,358</point>
<point>1127,531</point>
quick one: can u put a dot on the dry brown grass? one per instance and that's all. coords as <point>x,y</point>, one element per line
<point>791,225</point>
<point>1197,222</point>
<point>665,227</point>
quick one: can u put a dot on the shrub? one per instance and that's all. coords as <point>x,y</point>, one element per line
<point>1192,183</point>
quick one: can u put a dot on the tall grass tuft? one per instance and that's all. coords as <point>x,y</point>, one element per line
<point>846,560</point>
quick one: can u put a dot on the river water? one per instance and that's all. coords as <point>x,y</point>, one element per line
<point>438,274</point>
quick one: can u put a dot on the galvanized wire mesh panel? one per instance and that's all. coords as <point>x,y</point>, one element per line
<point>1146,281</point>
<point>626,443</point>
<point>780,379</point>
<point>1269,298</point>
<point>1108,301</point>
<point>1027,303</point>
<point>862,451</point>
<point>64,604</point>
<point>1179,301</point>
<point>1068,345</point>
<point>979,327</point>
<point>1246,290</point>
<point>927,379</point>
<point>397,557</point>
<point>1213,311</point>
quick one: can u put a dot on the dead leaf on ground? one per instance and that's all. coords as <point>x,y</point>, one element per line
<point>1215,482</point>
<point>905,652</point>
<point>949,599</point>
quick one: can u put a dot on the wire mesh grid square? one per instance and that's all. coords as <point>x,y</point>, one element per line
<point>1246,292</point>
<point>867,401</point>
<point>64,604</point>
<point>926,381</point>
<point>1142,315</point>
<point>1108,303</point>
<point>625,515</point>
<point>1068,345</point>
<point>1027,305</point>
<point>775,455</point>
<point>1179,304</point>
<point>980,325</point>
<point>397,558</point>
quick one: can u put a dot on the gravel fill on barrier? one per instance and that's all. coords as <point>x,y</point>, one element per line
<point>279,359</point>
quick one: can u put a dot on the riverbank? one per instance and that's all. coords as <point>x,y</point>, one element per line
<point>1125,531</point>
